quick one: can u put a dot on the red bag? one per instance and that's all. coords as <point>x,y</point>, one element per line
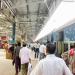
<point>71,53</point>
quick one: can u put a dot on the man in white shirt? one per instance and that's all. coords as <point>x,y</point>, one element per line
<point>42,50</point>
<point>51,65</point>
<point>24,56</point>
<point>37,45</point>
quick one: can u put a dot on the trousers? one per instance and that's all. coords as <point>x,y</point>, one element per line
<point>24,68</point>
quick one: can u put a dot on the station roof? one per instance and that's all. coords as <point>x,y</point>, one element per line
<point>30,16</point>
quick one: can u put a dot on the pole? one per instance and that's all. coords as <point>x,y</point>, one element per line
<point>13,32</point>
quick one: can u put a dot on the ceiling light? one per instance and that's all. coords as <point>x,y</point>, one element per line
<point>10,26</point>
<point>2,15</point>
<point>44,1</point>
<point>64,13</point>
<point>1,28</point>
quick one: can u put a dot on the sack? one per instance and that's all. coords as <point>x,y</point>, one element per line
<point>71,53</point>
<point>29,67</point>
<point>8,55</point>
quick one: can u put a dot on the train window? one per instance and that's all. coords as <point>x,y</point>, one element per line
<point>65,47</point>
<point>71,45</point>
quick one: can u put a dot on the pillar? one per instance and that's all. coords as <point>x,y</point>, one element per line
<point>13,32</point>
<point>52,38</point>
<point>60,42</point>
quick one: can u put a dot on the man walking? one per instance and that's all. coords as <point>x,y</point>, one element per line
<point>24,56</point>
<point>16,59</point>
<point>51,65</point>
<point>37,50</point>
<point>42,50</point>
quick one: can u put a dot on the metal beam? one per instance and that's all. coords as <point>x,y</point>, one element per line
<point>69,0</point>
<point>0,5</point>
<point>27,11</point>
<point>34,13</point>
<point>27,3</point>
<point>38,10</point>
<point>9,4</point>
<point>28,21</point>
<point>8,7</point>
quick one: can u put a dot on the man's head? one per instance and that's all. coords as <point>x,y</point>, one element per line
<point>24,44</point>
<point>19,44</point>
<point>50,48</point>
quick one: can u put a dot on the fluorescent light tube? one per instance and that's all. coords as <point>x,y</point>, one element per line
<point>64,13</point>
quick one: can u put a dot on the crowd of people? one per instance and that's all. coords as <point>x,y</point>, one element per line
<point>69,58</point>
<point>49,63</point>
<point>39,49</point>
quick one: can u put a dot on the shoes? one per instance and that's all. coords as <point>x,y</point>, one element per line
<point>16,73</point>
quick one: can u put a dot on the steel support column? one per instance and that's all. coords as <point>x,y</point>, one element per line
<point>60,42</point>
<point>13,32</point>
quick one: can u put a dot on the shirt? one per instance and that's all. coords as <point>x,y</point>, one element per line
<point>51,65</point>
<point>24,55</point>
<point>17,50</point>
<point>37,45</point>
<point>42,49</point>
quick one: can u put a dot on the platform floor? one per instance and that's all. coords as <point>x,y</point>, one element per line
<point>6,67</point>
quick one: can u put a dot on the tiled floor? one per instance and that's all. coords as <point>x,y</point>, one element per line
<point>6,67</point>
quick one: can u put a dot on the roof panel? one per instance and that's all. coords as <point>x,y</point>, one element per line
<point>33,8</point>
<point>31,14</point>
<point>33,17</point>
